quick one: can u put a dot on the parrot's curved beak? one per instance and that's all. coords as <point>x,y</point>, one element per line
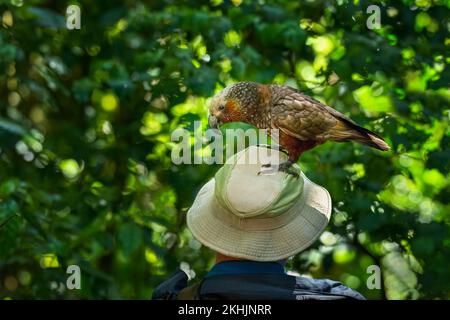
<point>213,122</point>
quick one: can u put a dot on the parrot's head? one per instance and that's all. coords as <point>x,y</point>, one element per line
<point>235,103</point>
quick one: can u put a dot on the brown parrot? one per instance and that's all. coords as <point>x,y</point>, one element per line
<point>303,122</point>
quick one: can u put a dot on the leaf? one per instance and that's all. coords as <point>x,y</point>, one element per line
<point>12,127</point>
<point>130,238</point>
<point>48,18</point>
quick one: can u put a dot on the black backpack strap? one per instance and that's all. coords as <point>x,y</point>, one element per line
<point>169,289</point>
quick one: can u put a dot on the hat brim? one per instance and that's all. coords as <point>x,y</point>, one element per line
<point>311,214</point>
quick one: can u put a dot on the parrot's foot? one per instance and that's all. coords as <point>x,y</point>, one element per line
<point>283,167</point>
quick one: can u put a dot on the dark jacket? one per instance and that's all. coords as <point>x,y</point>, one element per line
<point>242,280</point>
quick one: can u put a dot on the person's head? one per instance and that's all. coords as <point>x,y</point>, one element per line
<point>246,212</point>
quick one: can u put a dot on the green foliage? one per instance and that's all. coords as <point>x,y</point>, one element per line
<point>86,115</point>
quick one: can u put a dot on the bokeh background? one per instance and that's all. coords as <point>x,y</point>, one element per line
<point>86,115</point>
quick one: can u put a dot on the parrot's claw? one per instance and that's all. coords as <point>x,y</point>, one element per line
<point>268,169</point>
<point>283,167</point>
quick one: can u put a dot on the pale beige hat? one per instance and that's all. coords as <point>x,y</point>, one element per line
<point>245,212</point>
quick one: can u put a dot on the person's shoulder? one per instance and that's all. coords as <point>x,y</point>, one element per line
<point>274,287</point>
<point>332,289</point>
<point>256,286</point>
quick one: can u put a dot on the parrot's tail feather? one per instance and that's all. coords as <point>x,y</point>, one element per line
<point>353,132</point>
<point>372,140</point>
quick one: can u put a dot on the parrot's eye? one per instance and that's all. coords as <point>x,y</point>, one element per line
<point>221,107</point>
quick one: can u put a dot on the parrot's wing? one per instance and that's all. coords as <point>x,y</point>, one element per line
<point>303,117</point>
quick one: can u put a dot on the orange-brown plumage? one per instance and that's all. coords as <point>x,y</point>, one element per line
<point>234,112</point>
<point>302,121</point>
<point>294,146</point>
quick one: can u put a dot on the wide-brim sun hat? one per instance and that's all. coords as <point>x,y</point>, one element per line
<point>252,212</point>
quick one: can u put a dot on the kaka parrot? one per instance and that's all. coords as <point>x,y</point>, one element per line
<point>302,121</point>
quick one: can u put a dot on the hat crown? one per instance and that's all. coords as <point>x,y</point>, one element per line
<point>248,189</point>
